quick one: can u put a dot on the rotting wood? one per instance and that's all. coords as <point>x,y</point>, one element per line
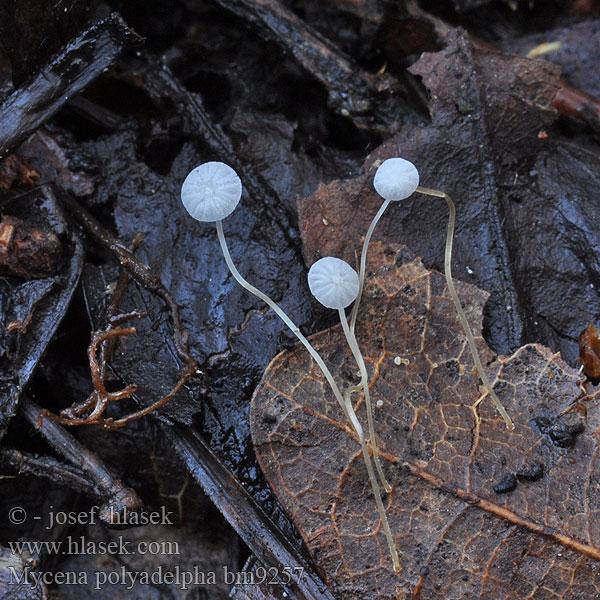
<point>81,62</point>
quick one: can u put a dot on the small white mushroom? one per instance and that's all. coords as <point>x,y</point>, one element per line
<point>333,282</point>
<point>396,179</point>
<point>211,191</point>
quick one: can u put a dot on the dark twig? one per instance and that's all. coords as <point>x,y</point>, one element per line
<point>101,343</point>
<point>353,92</point>
<point>80,63</point>
<point>108,488</point>
<point>48,467</point>
<point>263,537</point>
<point>100,116</point>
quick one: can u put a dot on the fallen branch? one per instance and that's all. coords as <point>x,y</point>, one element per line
<point>49,468</point>
<point>68,73</point>
<point>110,490</point>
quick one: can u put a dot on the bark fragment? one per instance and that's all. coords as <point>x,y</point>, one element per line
<point>68,73</point>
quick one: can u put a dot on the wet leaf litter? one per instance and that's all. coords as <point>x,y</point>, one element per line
<point>464,488</point>
<point>513,190</point>
<point>123,147</point>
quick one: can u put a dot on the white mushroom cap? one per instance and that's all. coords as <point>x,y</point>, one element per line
<point>211,191</point>
<point>396,179</point>
<point>333,282</point>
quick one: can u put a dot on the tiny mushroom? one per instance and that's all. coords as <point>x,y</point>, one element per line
<point>334,283</point>
<point>395,179</point>
<point>211,192</point>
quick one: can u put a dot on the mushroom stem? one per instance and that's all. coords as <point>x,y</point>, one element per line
<point>461,314</point>
<point>352,342</point>
<point>363,263</point>
<point>375,488</point>
<point>292,326</point>
<point>344,401</point>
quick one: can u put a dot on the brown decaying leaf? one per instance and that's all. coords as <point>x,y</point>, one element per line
<point>589,351</point>
<point>457,537</point>
<point>526,205</point>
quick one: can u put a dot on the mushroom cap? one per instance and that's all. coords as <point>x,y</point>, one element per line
<point>333,282</point>
<point>211,191</point>
<point>396,179</point>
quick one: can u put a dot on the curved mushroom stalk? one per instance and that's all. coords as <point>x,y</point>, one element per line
<point>210,193</point>
<point>335,284</point>
<point>461,313</point>
<point>347,283</point>
<point>395,179</point>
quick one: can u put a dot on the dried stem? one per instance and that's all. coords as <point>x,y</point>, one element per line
<point>102,343</point>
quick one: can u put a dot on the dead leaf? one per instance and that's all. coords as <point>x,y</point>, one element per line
<point>526,206</point>
<point>460,531</point>
<point>575,48</point>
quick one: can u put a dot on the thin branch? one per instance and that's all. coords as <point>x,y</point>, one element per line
<point>48,467</point>
<point>68,73</point>
<point>115,497</point>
